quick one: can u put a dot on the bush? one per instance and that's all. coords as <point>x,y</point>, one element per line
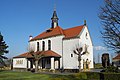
<point>79,76</point>
<point>111,76</point>
<point>111,69</point>
<point>93,75</point>
<point>102,76</point>
<point>58,79</point>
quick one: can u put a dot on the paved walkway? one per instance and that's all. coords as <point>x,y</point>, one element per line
<point>57,73</point>
<point>95,70</point>
<point>69,73</point>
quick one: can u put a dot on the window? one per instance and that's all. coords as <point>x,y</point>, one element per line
<point>37,46</point>
<point>43,45</point>
<point>49,45</point>
<point>86,35</point>
<point>19,61</point>
<point>71,55</point>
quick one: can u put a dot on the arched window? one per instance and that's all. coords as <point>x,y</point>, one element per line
<point>49,45</point>
<point>71,55</point>
<point>37,46</point>
<point>43,45</point>
<point>86,35</point>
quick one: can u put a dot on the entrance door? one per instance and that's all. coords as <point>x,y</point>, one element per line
<point>31,64</point>
<point>43,63</point>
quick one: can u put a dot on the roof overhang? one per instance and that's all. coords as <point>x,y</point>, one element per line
<point>48,53</point>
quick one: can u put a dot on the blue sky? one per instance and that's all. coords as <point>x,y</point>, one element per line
<point>21,18</point>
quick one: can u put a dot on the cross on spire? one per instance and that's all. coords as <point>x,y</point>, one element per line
<point>54,18</point>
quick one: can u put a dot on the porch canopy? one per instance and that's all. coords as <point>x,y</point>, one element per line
<point>48,53</point>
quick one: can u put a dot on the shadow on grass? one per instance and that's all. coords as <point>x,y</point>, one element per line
<point>76,76</point>
<point>2,70</point>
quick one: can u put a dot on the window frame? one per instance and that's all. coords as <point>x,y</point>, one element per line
<point>43,45</point>
<point>71,55</point>
<point>49,44</point>
<point>38,46</point>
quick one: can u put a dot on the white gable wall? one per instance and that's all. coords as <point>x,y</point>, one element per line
<point>71,44</point>
<point>87,40</point>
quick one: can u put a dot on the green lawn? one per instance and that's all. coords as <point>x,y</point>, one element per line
<point>12,75</point>
<point>98,66</point>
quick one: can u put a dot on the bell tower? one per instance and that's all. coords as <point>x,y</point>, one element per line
<point>54,19</point>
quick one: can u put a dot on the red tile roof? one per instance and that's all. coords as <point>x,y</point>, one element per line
<point>72,32</point>
<point>27,54</point>
<point>50,32</point>
<point>68,33</point>
<point>47,53</point>
<point>117,57</point>
<point>50,53</point>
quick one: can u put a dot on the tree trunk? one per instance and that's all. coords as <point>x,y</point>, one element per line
<point>79,60</point>
<point>79,66</point>
<point>36,66</point>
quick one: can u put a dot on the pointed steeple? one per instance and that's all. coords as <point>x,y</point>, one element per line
<point>54,19</point>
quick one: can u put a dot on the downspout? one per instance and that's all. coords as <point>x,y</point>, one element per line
<point>27,64</point>
<point>62,58</point>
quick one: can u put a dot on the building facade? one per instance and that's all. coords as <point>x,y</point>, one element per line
<point>57,45</point>
<point>116,61</point>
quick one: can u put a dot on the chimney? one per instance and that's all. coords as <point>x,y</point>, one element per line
<point>85,23</point>
<point>30,37</point>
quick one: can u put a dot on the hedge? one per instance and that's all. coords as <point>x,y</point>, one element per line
<point>102,76</point>
<point>111,76</point>
<point>93,75</point>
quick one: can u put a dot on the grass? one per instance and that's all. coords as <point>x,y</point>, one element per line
<point>98,66</point>
<point>11,75</point>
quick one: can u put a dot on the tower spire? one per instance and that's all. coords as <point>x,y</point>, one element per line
<point>54,19</point>
<point>54,7</point>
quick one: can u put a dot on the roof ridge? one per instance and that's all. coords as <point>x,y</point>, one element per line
<point>61,30</point>
<point>70,32</point>
<point>74,27</point>
<point>73,32</point>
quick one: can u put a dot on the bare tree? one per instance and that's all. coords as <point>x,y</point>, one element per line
<point>36,56</point>
<point>110,18</point>
<point>79,51</point>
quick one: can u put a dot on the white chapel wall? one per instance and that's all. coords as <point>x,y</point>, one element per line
<point>19,63</point>
<point>56,45</point>
<point>86,39</point>
<point>68,46</point>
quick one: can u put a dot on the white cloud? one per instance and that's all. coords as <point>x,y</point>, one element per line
<point>99,48</point>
